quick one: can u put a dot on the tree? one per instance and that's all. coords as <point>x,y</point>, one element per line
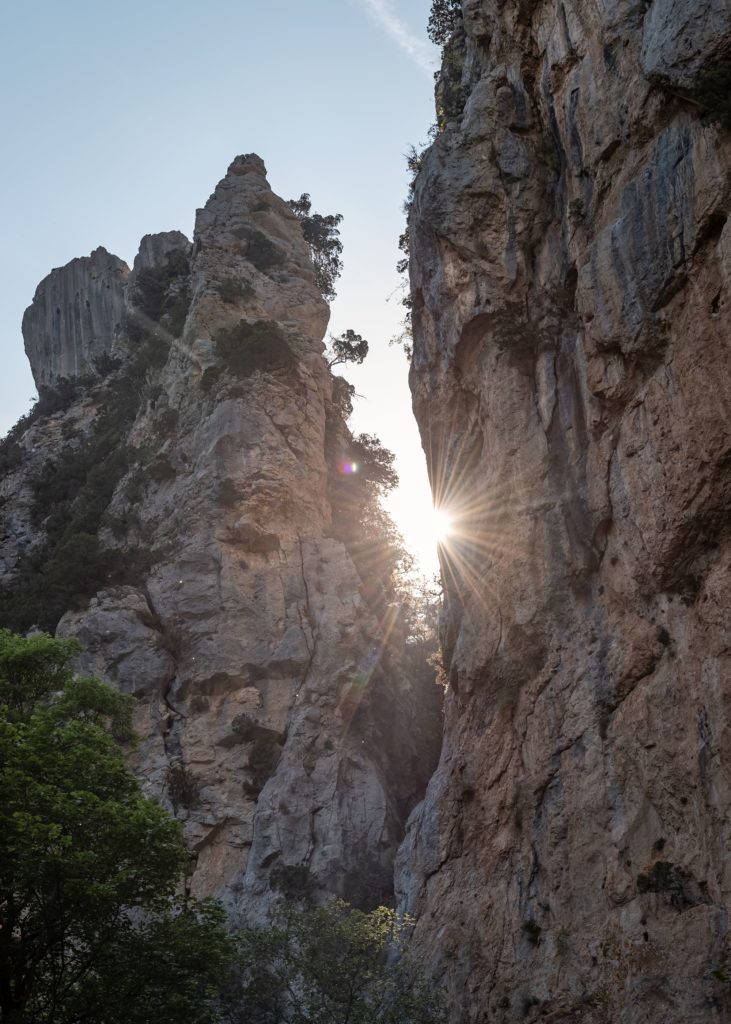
<point>322,235</point>
<point>89,868</point>
<point>346,348</point>
<point>443,20</point>
<point>332,965</point>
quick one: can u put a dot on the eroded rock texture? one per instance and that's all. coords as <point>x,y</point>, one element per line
<point>75,318</point>
<point>571,377</point>
<point>275,717</point>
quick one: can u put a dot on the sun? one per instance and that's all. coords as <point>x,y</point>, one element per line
<point>441,526</point>
<point>426,529</point>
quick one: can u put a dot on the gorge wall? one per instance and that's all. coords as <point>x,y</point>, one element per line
<point>571,287</point>
<point>174,500</point>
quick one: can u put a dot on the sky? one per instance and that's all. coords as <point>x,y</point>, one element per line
<point>118,120</point>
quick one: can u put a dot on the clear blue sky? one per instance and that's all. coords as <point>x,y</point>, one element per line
<point>118,120</point>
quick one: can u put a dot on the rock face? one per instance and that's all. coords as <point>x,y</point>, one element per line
<point>75,318</point>
<point>277,718</point>
<point>572,381</point>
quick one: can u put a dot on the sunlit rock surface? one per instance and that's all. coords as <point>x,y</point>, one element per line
<point>571,378</point>
<point>276,718</point>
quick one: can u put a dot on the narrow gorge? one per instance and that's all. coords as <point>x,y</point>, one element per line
<point>557,821</point>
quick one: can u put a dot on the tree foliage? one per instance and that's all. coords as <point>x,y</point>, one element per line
<point>443,20</point>
<point>247,347</point>
<point>323,237</point>
<point>348,347</point>
<point>90,929</point>
<point>332,965</point>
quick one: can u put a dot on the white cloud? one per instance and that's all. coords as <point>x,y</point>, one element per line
<point>418,49</point>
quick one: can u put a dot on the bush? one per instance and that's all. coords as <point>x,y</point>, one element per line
<point>249,347</point>
<point>294,881</point>
<point>157,289</point>
<point>712,90</point>
<point>161,469</point>
<point>233,290</point>
<point>167,421</point>
<point>263,759</point>
<point>323,237</point>
<point>183,787</point>
<point>260,250</point>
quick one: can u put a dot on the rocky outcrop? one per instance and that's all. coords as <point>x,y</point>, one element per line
<point>75,318</point>
<point>571,377</point>
<point>277,718</point>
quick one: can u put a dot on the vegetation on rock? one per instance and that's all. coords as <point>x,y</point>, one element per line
<point>444,18</point>
<point>332,965</point>
<point>348,347</point>
<point>247,347</point>
<point>712,90</point>
<point>70,497</point>
<point>161,293</point>
<point>89,867</point>
<point>89,870</point>
<point>322,235</point>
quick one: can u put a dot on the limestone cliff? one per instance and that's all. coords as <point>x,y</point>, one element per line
<point>570,255</point>
<point>179,508</point>
<point>75,317</point>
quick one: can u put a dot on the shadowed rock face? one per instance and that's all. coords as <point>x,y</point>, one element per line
<point>571,379</point>
<point>276,718</point>
<point>75,317</point>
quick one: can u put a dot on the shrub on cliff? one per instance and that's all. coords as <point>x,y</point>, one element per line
<point>90,928</point>
<point>162,292</point>
<point>348,347</point>
<point>712,90</point>
<point>70,497</point>
<point>248,347</point>
<point>443,20</point>
<point>323,237</point>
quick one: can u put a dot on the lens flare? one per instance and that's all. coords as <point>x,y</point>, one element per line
<point>442,525</point>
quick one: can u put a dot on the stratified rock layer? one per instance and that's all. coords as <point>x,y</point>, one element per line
<point>572,381</point>
<point>276,718</point>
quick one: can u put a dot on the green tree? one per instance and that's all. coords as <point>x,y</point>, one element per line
<point>443,20</point>
<point>348,347</point>
<point>323,237</point>
<point>332,965</point>
<point>91,931</point>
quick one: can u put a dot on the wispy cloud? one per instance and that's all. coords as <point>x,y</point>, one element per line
<point>418,49</point>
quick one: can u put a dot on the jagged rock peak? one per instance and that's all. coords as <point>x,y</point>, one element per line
<point>226,580</point>
<point>250,260</point>
<point>75,317</point>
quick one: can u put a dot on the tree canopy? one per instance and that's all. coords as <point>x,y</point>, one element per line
<point>332,965</point>
<point>323,237</point>
<point>348,347</point>
<point>89,867</point>
<point>443,20</point>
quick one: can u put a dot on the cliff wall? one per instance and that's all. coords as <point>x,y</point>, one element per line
<point>570,255</point>
<point>177,515</point>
